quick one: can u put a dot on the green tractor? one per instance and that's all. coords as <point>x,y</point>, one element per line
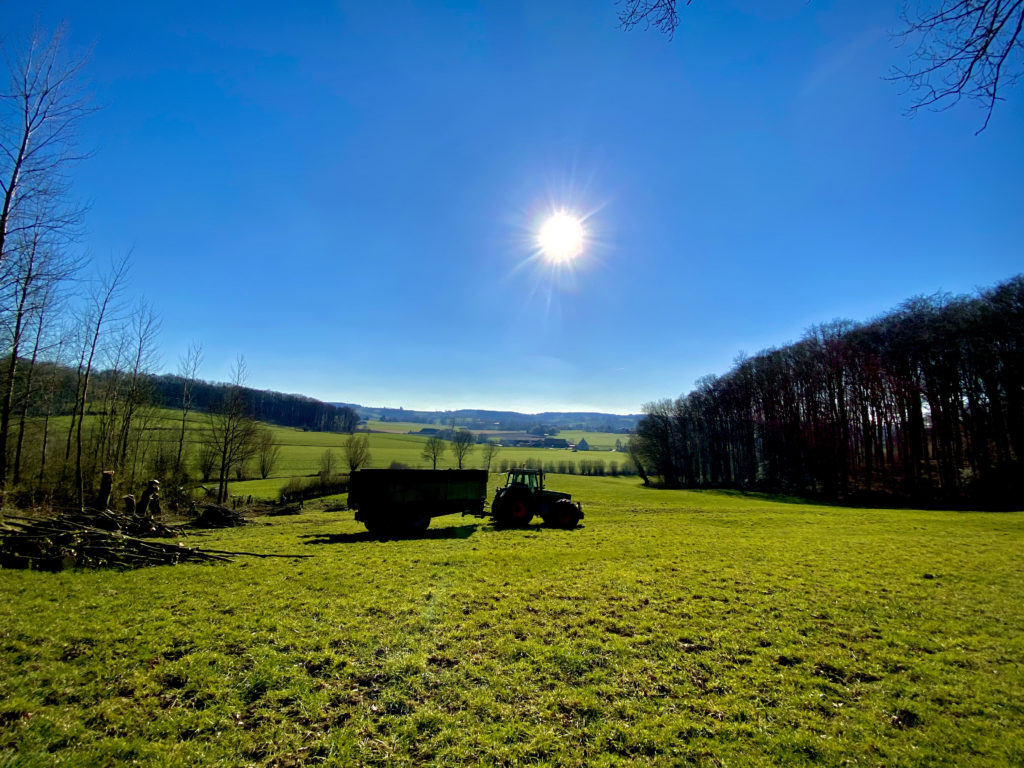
<point>523,496</point>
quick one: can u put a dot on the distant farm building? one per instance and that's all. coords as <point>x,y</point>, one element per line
<point>526,440</point>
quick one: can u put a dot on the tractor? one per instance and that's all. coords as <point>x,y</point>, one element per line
<point>523,496</point>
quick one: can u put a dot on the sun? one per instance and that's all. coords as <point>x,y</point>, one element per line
<point>561,238</point>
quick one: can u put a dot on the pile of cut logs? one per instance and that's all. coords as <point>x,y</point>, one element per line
<point>101,538</point>
<point>216,516</point>
<point>90,539</point>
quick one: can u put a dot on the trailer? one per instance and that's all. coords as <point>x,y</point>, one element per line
<point>404,500</point>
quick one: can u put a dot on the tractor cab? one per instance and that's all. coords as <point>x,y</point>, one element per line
<point>530,478</point>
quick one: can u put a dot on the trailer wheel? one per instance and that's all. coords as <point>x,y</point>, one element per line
<point>563,514</point>
<point>513,508</point>
<point>376,527</point>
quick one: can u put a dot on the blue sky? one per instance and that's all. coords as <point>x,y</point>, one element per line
<point>348,194</point>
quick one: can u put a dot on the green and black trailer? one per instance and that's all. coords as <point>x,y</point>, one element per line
<point>404,500</point>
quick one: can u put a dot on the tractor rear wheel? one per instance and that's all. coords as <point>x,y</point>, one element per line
<point>513,509</point>
<point>563,514</point>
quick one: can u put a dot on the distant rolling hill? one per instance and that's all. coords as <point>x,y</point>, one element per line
<point>472,418</point>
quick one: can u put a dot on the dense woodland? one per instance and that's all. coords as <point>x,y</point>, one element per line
<point>924,404</point>
<point>286,410</point>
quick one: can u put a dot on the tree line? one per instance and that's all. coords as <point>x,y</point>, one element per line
<point>924,404</point>
<point>286,410</point>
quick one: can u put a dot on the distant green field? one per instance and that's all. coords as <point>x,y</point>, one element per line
<point>604,441</point>
<point>672,628</point>
<point>398,426</point>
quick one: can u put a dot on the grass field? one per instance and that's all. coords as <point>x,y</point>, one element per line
<point>672,628</point>
<point>400,427</point>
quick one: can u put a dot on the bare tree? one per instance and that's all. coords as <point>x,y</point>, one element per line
<point>28,393</point>
<point>490,450</point>
<point>231,430</point>
<point>267,452</point>
<point>101,304</point>
<point>635,449</point>
<point>121,437</point>
<point>328,464</point>
<point>188,369</point>
<point>141,335</point>
<point>39,111</point>
<point>462,445</point>
<point>35,268</point>
<point>434,449</point>
<point>41,108</point>
<point>206,460</point>
<point>357,451</point>
<point>51,383</point>
<point>961,48</point>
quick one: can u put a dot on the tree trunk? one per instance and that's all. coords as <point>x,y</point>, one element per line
<point>25,401</point>
<point>152,492</point>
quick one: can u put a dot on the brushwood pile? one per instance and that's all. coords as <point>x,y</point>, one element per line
<point>92,539</point>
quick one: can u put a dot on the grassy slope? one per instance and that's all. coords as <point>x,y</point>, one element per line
<point>673,627</point>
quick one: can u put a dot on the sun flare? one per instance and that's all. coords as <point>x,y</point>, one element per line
<point>561,238</point>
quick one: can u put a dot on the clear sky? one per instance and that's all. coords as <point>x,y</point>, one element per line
<point>349,193</point>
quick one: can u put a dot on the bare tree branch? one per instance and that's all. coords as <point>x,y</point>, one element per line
<point>963,48</point>
<point>39,111</point>
<point>660,14</point>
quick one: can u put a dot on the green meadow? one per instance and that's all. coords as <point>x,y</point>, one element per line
<point>602,441</point>
<point>671,628</point>
<point>301,452</point>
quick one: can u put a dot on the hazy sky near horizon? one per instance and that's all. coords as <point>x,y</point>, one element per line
<point>349,194</point>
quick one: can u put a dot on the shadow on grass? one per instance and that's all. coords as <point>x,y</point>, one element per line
<point>451,532</point>
<point>534,527</point>
<point>863,500</point>
<point>780,498</point>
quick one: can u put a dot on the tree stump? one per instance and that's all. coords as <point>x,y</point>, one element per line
<point>153,489</point>
<point>106,483</point>
<point>129,504</point>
